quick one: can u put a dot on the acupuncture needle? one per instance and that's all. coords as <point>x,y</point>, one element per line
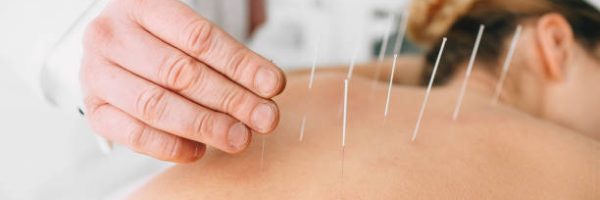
<point>468,74</point>
<point>262,149</point>
<point>262,153</point>
<point>345,120</point>
<point>428,92</point>
<point>352,62</point>
<point>389,91</point>
<point>350,72</point>
<point>383,49</point>
<point>401,33</point>
<point>310,86</point>
<point>344,129</point>
<point>506,66</point>
<point>314,64</point>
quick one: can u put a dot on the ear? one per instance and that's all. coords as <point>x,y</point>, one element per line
<point>555,41</point>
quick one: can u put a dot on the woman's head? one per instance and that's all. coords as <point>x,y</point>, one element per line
<point>556,70</point>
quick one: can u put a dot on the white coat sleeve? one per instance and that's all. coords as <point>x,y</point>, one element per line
<point>44,45</point>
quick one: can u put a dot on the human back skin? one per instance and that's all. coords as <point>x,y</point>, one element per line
<point>490,152</point>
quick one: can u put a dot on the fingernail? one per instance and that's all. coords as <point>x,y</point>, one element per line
<point>263,117</point>
<point>265,81</point>
<point>197,152</point>
<point>238,136</point>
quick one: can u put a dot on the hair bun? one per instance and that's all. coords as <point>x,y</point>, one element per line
<point>431,19</point>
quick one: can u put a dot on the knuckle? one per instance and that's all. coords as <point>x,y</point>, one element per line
<point>178,73</point>
<point>234,100</point>
<point>173,149</point>
<point>203,126</point>
<point>98,33</point>
<point>91,105</point>
<point>150,103</point>
<point>134,9</point>
<point>199,81</point>
<point>199,38</point>
<point>240,58</point>
<point>95,120</point>
<point>136,138</point>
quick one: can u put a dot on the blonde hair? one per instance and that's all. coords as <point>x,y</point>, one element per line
<point>431,19</point>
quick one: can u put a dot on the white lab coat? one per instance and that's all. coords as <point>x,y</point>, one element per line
<point>40,43</point>
<point>44,40</point>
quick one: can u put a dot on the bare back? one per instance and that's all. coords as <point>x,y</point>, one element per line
<point>489,153</point>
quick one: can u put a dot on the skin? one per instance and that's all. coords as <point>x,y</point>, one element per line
<point>491,152</point>
<point>163,81</point>
<point>553,77</point>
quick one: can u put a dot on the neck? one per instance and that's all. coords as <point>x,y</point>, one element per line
<point>480,83</point>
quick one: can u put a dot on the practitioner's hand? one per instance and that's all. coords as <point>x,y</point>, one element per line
<point>164,81</point>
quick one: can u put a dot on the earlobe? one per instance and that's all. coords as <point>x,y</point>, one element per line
<point>554,39</point>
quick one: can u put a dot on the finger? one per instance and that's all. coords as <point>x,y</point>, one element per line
<point>167,111</point>
<point>180,26</point>
<point>121,128</point>
<point>169,67</point>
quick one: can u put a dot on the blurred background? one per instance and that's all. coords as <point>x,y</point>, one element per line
<point>294,27</point>
<point>50,153</point>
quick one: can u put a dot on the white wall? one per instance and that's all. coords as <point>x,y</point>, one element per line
<point>291,34</point>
